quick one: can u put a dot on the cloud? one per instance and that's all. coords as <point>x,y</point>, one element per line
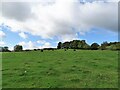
<point>2,43</point>
<point>27,45</point>
<point>99,0</point>
<point>102,15</point>
<point>33,45</point>
<point>60,18</point>
<point>16,10</point>
<point>23,35</point>
<point>2,34</point>
<point>41,41</point>
<point>45,45</point>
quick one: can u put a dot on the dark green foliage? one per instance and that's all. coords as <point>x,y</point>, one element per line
<point>49,49</point>
<point>110,46</point>
<point>81,44</point>
<point>4,49</point>
<point>113,47</point>
<point>59,45</point>
<point>66,45</point>
<point>27,50</point>
<point>104,45</point>
<point>18,48</point>
<point>35,49</point>
<point>94,46</point>
<point>75,44</point>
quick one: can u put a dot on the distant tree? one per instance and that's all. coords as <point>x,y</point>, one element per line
<point>4,49</point>
<point>74,44</point>
<point>66,45</point>
<point>104,45</point>
<point>94,46</point>
<point>27,50</point>
<point>83,45</point>
<point>18,48</point>
<point>59,45</point>
<point>86,47</point>
<point>35,49</point>
<point>114,46</point>
<point>80,45</point>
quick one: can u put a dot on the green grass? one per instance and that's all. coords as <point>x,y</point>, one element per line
<point>60,69</point>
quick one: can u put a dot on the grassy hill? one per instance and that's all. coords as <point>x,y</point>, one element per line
<point>60,69</point>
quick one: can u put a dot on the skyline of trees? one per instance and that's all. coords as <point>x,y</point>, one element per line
<point>75,44</point>
<point>81,44</point>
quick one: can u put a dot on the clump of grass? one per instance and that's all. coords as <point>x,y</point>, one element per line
<point>74,66</point>
<point>51,72</point>
<point>75,80</point>
<point>23,73</point>
<point>86,71</point>
<point>39,62</point>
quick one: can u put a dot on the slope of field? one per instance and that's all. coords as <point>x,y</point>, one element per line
<point>60,69</point>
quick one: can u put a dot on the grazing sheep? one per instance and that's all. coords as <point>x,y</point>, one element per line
<point>74,49</point>
<point>41,50</point>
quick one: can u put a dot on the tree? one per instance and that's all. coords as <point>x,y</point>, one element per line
<point>74,44</point>
<point>94,46</point>
<point>104,45</point>
<point>86,47</point>
<point>18,48</point>
<point>66,45</point>
<point>114,46</point>
<point>4,49</point>
<point>59,45</point>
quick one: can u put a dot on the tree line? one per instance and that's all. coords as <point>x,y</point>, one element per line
<point>75,44</point>
<point>81,44</point>
<point>19,48</point>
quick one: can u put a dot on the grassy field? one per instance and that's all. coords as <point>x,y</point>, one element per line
<point>60,69</point>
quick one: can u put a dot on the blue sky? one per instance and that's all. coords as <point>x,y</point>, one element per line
<point>42,25</point>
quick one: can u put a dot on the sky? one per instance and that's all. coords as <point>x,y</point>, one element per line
<point>44,23</point>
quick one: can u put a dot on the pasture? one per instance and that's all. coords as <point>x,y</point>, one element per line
<point>60,69</point>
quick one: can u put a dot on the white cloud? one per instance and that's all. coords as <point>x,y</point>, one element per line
<point>23,35</point>
<point>41,42</point>
<point>33,45</point>
<point>102,15</point>
<point>27,45</point>
<point>2,34</point>
<point>60,18</point>
<point>45,45</point>
<point>2,43</point>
